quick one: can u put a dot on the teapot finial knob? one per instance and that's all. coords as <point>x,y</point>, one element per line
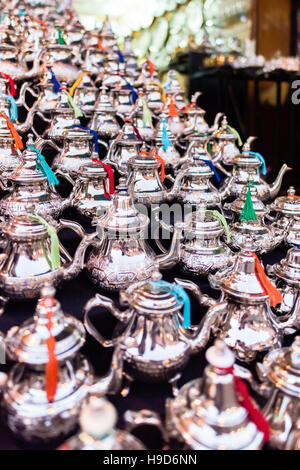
<point>156,276</point>
<point>30,140</point>
<point>219,355</point>
<point>98,417</point>
<point>291,191</point>
<point>48,291</point>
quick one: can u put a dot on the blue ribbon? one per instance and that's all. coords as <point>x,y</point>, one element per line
<point>43,166</point>
<point>165,140</point>
<point>13,108</point>
<point>212,167</point>
<point>56,84</point>
<point>121,57</point>
<point>133,92</point>
<point>167,85</point>
<point>296,246</point>
<point>94,134</point>
<point>261,159</point>
<point>181,296</point>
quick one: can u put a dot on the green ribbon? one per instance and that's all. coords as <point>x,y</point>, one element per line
<point>71,103</point>
<point>248,212</point>
<point>43,166</point>
<point>54,261</point>
<point>221,219</point>
<point>147,116</point>
<point>237,135</point>
<point>60,38</point>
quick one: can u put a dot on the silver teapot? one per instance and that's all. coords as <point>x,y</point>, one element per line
<point>39,408</point>
<point>122,103</point>
<point>10,155</point>
<point>13,63</point>
<point>142,118</point>
<point>121,254</point>
<point>97,420</point>
<point>246,169</point>
<point>60,56</point>
<point>126,145</point>
<point>165,143</point>
<point>30,186</point>
<point>207,413</point>
<point>155,95</point>
<point>246,322</point>
<point>33,256</point>
<point>104,120</point>
<point>156,342</point>
<point>226,138</point>
<point>85,94</point>
<point>235,208</point>
<point>196,244</point>
<point>287,212</point>
<point>279,376</point>
<point>90,195</point>
<point>174,90</point>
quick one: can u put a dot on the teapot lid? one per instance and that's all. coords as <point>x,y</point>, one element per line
<point>224,131</point>
<point>104,101</point>
<point>293,234</point>
<point>24,227</point>
<point>152,298</point>
<point>247,158</point>
<point>127,135</point>
<point>203,223</point>
<point>288,205</point>
<point>75,133</point>
<point>242,281</point>
<point>98,417</point>
<point>238,204</point>
<point>207,413</point>
<point>289,267</point>
<point>92,170</point>
<point>28,172</point>
<point>283,368</point>
<point>144,159</point>
<point>27,343</point>
<point>122,215</point>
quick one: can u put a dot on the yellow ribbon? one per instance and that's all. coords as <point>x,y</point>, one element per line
<point>76,83</point>
<point>163,93</point>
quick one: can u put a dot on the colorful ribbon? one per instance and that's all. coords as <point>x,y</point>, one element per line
<point>237,135</point>
<point>147,116</point>
<point>52,364</point>
<point>246,402</point>
<point>150,66</point>
<point>137,133</point>
<point>12,87</point>
<point>212,167</point>
<point>76,83</point>
<point>43,166</point>
<point>110,174</point>
<point>132,90</point>
<point>54,261</point>
<point>165,140</point>
<point>163,93</point>
<point>274,294</point>
<point>60,39</point>
<point>248,212</point>
<point>260,158</point>
<point>172,108</point>
<point>14,133</point>
<point>162,164</point>
<point>73,105</point>
<point>181,296</point>
<point>121,57</point>
<point>100,45</point>
<point>56,84</point>
<point>13,108</point>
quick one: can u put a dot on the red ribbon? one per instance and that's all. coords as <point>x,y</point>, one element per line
<point>110,174</point>
<point>136,131</point>
<point>151,66</point>
<point>12,87</point>
<point>246,402</point>
<point>52,364</point>
<point>172,108</point>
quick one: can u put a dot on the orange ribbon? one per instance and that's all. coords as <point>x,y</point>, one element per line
<point>15,135</point>
<point>273,293</point>
<point>100,45</point>
<point>294,195</point>
<point>52,364</point>
<point>172,108</point>
<point>42,23</point>
<point>151,66</point>
<point>162,164</point>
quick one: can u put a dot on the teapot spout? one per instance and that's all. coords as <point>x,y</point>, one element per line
<point>227,189</point>
<point>173,192</point>
<point>27,124</point>
<point>203,331</point>
<point>169,259</point>
<point>216,122</point>
<point>34,71</point>
<point>275,187</point>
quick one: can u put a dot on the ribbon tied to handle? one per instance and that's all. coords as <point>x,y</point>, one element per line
<point>55,82</point>
<point>260,158</point>
<point>244,399</point>
<point>237,135</point>
<point>132,90</point>
<point>12,87</point>
<point>163,93</point>
<point>172,108</point>
<point>181,296</point>
<point>150,66</point>
<point>162,164</point>
<point>165,139</point>
<point>60,39</point>
<point>52,364</point>
<point>18,141</point>
<point>13,108</point>
<point>54,260</point>
<point>43,166</point>
<point>77,83</point>
<point>274,294</point>
<point>147,116</point>
<point>110,174</point>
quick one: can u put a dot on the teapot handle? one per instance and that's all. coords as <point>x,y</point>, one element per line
<point>65,176</point>
<point>102,301</point>
<point>134,419</point>
<point>203,299</point>
<point>73,226</point>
